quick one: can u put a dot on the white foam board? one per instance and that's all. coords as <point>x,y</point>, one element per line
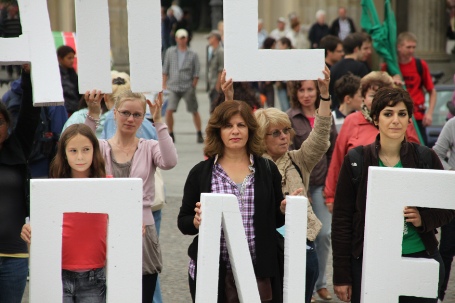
<point>244,62</point>
<point>121,199</point>
<point>387,275</point>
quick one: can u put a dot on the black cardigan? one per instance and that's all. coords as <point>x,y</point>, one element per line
<point>267,216</point>
<point>13,157</point>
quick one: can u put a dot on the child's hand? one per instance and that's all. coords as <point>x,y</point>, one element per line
<point>143,229</point>
<point>26,233</point>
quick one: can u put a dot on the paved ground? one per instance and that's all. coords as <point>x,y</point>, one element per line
<point>174,244</point>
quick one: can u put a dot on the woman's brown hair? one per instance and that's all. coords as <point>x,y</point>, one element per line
<point>295,86</point>
<point>220,118</point>
<point>60,168</point>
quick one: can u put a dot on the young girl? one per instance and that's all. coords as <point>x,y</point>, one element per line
<point>84,234</point>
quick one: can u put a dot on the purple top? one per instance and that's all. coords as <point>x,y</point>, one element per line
<point>222,184</point>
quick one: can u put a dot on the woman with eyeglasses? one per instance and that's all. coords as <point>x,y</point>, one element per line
<point>310,99</point>
<point>127,156</point>
<point>296,166</point>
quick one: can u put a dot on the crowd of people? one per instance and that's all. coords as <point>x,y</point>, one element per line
<point>254,149</point>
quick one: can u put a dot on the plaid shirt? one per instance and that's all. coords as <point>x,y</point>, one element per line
<point>221,183</point>
<point>180,79</point>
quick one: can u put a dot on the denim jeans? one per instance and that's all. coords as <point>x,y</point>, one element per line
<point>157,295</point>
<point>356,270</point>
<point>447,250</point>
<point>84,287</point>
<point>283,97</point>
<point>13,277</point>
<point>312,271</point>
<point>322,241</point>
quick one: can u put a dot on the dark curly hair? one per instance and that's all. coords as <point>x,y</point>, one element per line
<point>390,96</point>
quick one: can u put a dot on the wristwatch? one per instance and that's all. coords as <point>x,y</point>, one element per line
<point>325,99</point>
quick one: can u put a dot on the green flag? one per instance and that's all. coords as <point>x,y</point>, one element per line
<point>384,38</point>
<point>384,35</point>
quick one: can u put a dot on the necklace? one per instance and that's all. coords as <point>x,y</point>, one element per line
<point>387,161</point>
<point>127,150</point>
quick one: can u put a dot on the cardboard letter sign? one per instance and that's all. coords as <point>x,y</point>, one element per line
<point>121,199</point>
<point>387,275</point>
<point>243,60</point>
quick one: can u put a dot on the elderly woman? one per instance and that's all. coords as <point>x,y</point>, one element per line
<point>235,166</point>
<point>15,148</point>
<point>391,111</point>
<point>127,156</point>
<point>295,166</point>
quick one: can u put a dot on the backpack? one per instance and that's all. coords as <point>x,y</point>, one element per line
<point>356,159</point>
<point>44,142</point>
<point>419,70</point>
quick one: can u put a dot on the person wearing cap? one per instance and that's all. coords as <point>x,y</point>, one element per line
<point>280,30</point>
<point>180,76</point>
<point>215,66</point>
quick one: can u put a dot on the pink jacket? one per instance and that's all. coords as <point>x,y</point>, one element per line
<point>149,155</point>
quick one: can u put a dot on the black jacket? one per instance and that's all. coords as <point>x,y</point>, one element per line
<point>348,219</point>
<point>335,27</point>
<point>267,217</point>
<point>14,196</point>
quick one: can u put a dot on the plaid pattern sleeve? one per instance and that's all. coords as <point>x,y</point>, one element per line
<point>180,79</point>
<point>221,183</point>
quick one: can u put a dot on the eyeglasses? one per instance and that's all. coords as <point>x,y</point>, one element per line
<point>277,133</point>
<point>127,114</point>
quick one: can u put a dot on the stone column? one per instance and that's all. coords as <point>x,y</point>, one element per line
<point>217,12</point>
<point>428,21</point>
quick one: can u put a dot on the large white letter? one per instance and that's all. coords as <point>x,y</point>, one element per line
<point>295,249</point>
<point>144,39</point>
<point>217,210</point>
<point>121,199</point>
<point>93,45</point>
<point>35,45</point>
<point>243,60</point>
<point>223,210</point>
<point>387,275</point>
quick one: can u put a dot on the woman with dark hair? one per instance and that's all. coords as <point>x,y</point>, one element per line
<point>391,113</point>
<point>235,166</point>
<point>358,129</point>
<point>15,147</point>
<point>305,100</point>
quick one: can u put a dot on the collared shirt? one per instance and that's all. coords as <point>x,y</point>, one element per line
<point>345,28</point>
<point>221,183</point>
<point>180,79</point>
<point>216,65</point>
